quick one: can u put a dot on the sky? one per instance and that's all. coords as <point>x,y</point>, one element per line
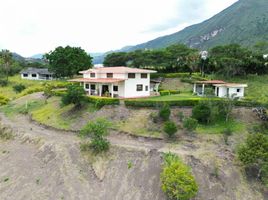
<point>31,27</point>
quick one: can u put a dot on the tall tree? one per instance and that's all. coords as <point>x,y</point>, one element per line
<point>68,61</point>
<point>6,62</point>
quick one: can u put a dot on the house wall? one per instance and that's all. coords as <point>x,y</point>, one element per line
<point>101,75</point>
<point>232,91</point>
<point>30,77</point>
<point>131,86</point>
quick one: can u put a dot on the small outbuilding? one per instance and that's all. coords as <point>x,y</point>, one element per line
<point>220,88</point>
<point>36,74</point>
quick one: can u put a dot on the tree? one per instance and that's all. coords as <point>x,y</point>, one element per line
<point>75,94</point>
<point>116,59</point>
<point>177,180</point>
<point>6,62</point>
<point>190,124</point>
<point>170,128</point>
<point>201,112</point>
<point>164,112</point>
<point>97,130</point>
<point>68,61</point>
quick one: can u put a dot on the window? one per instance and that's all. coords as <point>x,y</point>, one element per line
<point>139,87</point>
<point>131,75</point>
<point>143,75</point>
<point>109,75</point>
<point>25,75</point>
<point>92,75</point>
<point>92,87</point>
<point>237,90</point>
<point>87,86</point>
<point>33,75</point>
<point>146,88</point>
<point>115,88</point>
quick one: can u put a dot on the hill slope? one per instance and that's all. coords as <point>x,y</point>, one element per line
<point>245,22</point>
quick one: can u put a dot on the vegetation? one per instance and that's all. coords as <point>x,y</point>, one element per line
<point>97,130</point>
<point>164,112</point>
<point>19,88</point>
<point>177,181</point>
<point>75,95</point>
<point>202,113</point>
<point>254,156</point>
<point>170,128</point>
<point>190,124</point>
<point>99,102</point>
<point>68,61</point>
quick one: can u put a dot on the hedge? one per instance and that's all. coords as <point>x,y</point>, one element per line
<point>187,102</point>
<point>169,92</point>
<point>101,101</point>
<point>173,75</point>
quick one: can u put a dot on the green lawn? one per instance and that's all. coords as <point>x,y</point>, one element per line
<point>175,97</point>
<point>9,92</point>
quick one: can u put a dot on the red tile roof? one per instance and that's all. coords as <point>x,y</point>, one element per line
<point>97,80</point>
<point>232,85</point>
<point>118,70</point>
<point>211,82</point>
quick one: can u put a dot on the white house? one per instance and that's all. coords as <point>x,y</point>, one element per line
<point>36,74</point>
<point>123,82</point>
<point>231,90</point>
<point>220,88</point>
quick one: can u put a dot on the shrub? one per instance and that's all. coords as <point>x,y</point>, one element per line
<point>254,156</point>
<point>31,90</point>
<point>102,101</point>
<point>190,124</point>
<point>75,94</point>
<point>19,88</point>
<point>3,100</point>
<point>97,130</point>
<point>170,128</point>
<point>154,116</point>
<point>181,116</point>
<point>164,112</point>
<point>169,92</point>
<point>3,83</point>
<point>201,112</point>
<point>226,133</point>
<point>177,180</point>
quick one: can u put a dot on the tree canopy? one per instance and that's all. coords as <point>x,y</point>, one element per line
<point>68,61</point>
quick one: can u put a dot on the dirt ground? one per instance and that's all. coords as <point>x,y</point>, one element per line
<point>42,163</point>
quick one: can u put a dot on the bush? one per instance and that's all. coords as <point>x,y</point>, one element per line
<point>169,92</point>
<point>190,124</point>
<point>170,128</point>
<point>227,132</point>
<point>254,156</point>
<point>102,101</point>
<point>201,113</point>
<point>177,180</point>
<point>97,130</point>
<point>75,94</point>
<point>3,83</point>
<point>181,116</point>
<point>154,116</point>
<point>19,88</point>
<point>164,112</point>
<point>3,100</point>
<point>31,90</point>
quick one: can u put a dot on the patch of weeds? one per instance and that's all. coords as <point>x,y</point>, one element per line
<point>216,170</point>
<point>129,164</point>
<point>6,179</point>
<point>37,181</point>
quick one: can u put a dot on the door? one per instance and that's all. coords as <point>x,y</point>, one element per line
<point>105,89</point>
<point>217,91</point>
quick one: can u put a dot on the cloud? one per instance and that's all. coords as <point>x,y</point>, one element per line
<point>29,27</point>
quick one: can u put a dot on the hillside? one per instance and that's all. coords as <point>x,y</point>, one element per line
<point>245,22</point>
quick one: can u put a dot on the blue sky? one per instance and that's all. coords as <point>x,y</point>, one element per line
<point>37,26</point>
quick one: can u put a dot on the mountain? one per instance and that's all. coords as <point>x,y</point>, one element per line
<point>37,56</point>
<point>245,23</point>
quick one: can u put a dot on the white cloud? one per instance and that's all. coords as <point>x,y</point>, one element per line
<point>37,26</point>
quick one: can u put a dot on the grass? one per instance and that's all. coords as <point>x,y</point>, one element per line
<point>48,112</point>
<point>175,97</point>
<point>219,126</point>
<point>9,92</point>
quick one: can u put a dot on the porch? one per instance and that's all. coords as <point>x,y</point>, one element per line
<point>102,89</point>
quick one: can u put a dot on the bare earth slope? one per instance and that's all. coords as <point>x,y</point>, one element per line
<point>47,164</point>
